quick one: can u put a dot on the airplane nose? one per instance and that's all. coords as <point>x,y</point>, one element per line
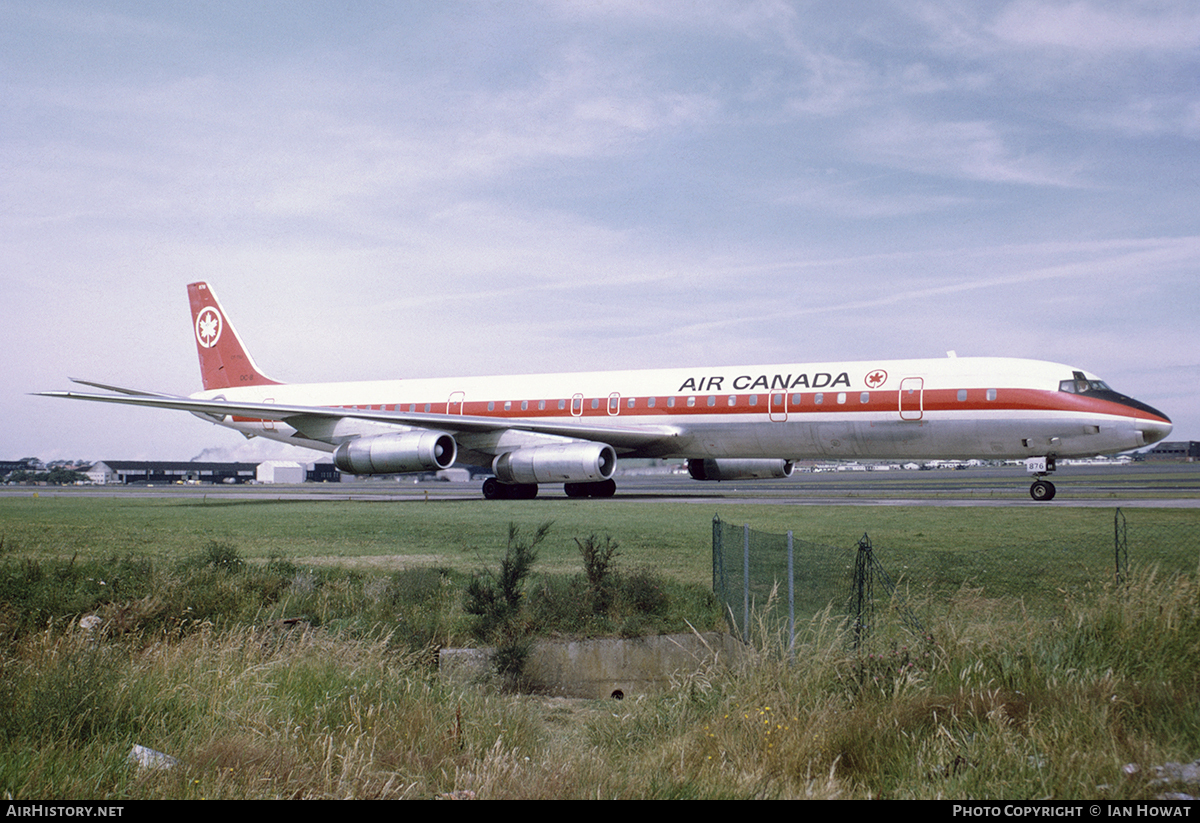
<point>1153,431</point>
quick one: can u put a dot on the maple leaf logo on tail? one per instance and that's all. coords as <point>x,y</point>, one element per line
<point>208,327</point>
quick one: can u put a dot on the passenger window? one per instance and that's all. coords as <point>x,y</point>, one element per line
<point>962,395</point>
<point>991,394</point>
<point>841,397</point>
<point>819,398</point>
<point>865,397</point>
<point>650,403</point>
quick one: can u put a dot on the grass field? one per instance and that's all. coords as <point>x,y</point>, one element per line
<point>1045,680</point>
<point>986,545</point>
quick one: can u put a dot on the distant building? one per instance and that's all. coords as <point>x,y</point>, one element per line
<point>163,471</point>
<point>29,464</point>
<point>280,471</point>
<point>1185,451</point>
<point>322,472</point>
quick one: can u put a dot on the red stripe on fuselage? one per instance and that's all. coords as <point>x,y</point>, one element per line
<point>878,402</point>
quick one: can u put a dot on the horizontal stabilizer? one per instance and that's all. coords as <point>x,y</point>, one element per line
<point>122,390</point>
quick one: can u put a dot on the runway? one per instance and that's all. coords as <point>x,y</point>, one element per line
<point>1136,486</point>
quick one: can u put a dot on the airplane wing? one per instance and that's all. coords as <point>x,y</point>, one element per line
<point>309,420</point>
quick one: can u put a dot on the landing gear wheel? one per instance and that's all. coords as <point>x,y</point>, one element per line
<point>602,488</point>
<point>522,491</point>
<point>605,488</point>
<point>1042,490</point>
<point>493,489</point>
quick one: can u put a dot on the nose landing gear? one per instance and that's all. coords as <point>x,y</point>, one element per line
<point>1041,490</point>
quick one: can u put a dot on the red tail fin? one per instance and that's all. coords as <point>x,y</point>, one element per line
<point>224,361</point>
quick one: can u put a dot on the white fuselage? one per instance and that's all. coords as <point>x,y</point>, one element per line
<point>996,408</point>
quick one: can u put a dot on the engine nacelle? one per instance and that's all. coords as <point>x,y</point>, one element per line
<point>416,451</point>
<point>737,469</point>
<point>566,463</point>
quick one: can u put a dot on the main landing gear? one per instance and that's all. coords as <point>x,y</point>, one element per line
<point>493,489</point>
<point>1041,490</point>
<point>603,488</point>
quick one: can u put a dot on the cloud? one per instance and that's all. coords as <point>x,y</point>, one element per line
<point>466,188</point>
<point>1099,28</point>
<point>967,149</point>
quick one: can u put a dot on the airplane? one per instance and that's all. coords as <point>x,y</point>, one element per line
<point>727,422</point>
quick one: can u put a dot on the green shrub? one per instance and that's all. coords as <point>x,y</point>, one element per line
<point>220,556</point>
<point>643,592</point>
<point>599,561</point>
<point>33,593</point>
<point>417,585</point>
<point>496,602</point>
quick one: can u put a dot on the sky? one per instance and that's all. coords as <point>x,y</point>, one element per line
<point>410,189</point>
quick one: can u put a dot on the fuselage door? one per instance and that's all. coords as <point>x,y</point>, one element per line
<point>577,405</point>
<point>912,391</point>
<point>456,402</point>
<point>268,425</point>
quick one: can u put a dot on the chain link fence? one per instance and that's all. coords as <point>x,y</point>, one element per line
<point>776,581</point>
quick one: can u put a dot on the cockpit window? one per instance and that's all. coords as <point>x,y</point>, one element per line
<point>1079,384</point>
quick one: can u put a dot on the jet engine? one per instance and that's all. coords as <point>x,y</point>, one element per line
<point>735,469</point>
<point>569,462</point>
<point>415,451</point>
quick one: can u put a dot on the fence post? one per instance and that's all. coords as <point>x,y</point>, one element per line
<point>863,597</point>
<point>746,582</point>
<point>1120,548</point>
<point>791,597</point>
<point>718,569</point>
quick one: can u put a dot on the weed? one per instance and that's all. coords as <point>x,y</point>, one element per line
<point>220,556</point>
<point>643,592</point>
<point>496,603</point>
<point>599,560</point>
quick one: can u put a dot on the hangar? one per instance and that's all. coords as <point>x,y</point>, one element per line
<point>165,471</point>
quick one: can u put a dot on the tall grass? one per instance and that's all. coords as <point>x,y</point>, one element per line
<point>1006,707</point>
<point>198,660</point>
